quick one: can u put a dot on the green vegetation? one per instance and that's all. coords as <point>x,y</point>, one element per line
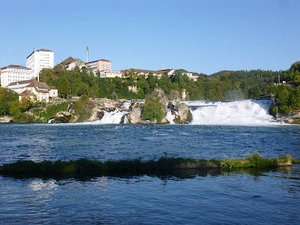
<point>9,103</point>
<point>153,108</point>
<point>10,106</point>
<point>287,96</point>
<point>83,109</point>
<point>225,85</point>
<point>84,168</point>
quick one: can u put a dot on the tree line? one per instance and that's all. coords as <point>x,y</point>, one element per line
<point>221,86</point>
<point>225,85</point>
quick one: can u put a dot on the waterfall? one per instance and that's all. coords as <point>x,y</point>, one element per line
<point>170,117</point>
<point>246,112</point>
<point>114,117</point>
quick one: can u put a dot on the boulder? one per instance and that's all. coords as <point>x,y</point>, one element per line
<point>96,115</point>
<point>6,119</point>
<point>295,114</point>
<point>61,117</point>
<point>174,96</point>
<point>183,114</point>
<point>135,112</point>
<point>161,98</point>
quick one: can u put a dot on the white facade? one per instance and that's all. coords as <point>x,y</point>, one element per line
<point>101,65</point>
<point>34,90</point>
<point>110,74</point>
<point>14,73</point>
<point>40,59</point>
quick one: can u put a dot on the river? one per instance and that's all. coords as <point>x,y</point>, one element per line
<point>270,197</point>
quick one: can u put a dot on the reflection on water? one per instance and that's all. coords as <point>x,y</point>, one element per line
<point>41,185</point>
<point>239,197</point>
<point>231,198</point>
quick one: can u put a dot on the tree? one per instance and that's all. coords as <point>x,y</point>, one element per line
<point>7,99</point>
<point>153,109</point>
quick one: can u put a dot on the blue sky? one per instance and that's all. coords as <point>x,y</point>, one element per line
<point>199,35</point>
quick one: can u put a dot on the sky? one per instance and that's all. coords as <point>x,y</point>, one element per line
<point>203,36</point>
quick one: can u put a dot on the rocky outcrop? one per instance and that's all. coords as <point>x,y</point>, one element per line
<point>174,96</point>
<point>6,119</point>
<point>161,98</point>
<point>96,115</point>
<point>182,113</point>
<point>61,117</point>
<point>135,112</point>
<point>293,118</point>
<point>107,104</point>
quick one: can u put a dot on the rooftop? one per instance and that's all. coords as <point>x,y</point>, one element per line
<point>68,60</point>
<point>21,82</point>
<point>39,50</point>
<point>103,60</point>
<point>27,93</point>
<point>15,67</point>
<point>39,86</point>
<point>162,71</point>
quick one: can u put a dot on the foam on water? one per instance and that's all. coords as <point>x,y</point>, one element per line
<point>40,185</point>
<point>114,117</point>
<point>170,117</point>
<point>246,112</point>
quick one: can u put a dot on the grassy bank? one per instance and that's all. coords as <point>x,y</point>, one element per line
<point>84,168</point>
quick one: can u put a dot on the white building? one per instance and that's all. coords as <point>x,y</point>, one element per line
<point>71,63</point>
<point>40,59</point>
<point>33,89</point>
<point>101,65</point>
<point>13,73</point>
<point>110,74</point>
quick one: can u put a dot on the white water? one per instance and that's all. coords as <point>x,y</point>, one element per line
<point>246,112</point>
<point>114,117</point>
<point>170,117</point>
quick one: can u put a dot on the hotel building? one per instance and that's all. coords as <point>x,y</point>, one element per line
<point>13,73</point>
<point>40,59</point>
<point>101,65</point>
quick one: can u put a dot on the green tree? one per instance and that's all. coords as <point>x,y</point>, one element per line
<point>153,109</point>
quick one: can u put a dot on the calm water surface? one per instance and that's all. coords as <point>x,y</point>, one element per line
<point>271,197</point>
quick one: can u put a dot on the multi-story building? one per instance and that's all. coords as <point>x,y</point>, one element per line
<point>101,65</point>
<point>34,90</point>
<point>40,59</point>
<point>72,63</point>
<point>13,73</point>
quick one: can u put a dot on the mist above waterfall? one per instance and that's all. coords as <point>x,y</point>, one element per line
<point>245,112</point>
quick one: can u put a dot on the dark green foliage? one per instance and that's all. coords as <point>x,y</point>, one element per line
<point>225,85</point>
<point>24,118</point>
<point>153,109</point>
<point>51,110</point>
<point>84,168</point>
<point>287,96</point>
<point>9,102</point>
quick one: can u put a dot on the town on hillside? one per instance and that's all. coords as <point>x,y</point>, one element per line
<point>24,80</point>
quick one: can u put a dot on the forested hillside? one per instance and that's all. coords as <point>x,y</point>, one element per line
<point>225,85</point>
